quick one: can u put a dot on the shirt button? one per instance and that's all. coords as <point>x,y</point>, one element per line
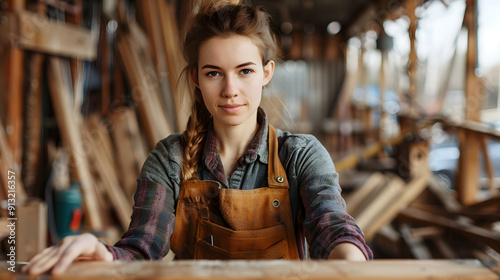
<point>279,179</point>
<point>276,203</point>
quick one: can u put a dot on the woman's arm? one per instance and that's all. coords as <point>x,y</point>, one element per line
<point>346,251</point>
<point>331,232</point>
<point>148,236</point>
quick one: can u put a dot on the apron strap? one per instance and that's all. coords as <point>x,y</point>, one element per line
<point>276,173</point>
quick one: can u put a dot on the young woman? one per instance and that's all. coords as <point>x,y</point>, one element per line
<point>231,186</point>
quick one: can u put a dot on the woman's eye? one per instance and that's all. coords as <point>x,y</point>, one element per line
<point>246,71</point>
<point>212,74</point>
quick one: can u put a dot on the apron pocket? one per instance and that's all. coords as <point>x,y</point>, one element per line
<point>266,243</point>
<point>211,252</point>
<point>241,240</point>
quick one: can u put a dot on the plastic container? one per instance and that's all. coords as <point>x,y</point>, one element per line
<point>68,210</point>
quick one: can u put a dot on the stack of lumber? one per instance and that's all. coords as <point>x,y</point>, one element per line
<point>422,218</point>
<point>106,128</point>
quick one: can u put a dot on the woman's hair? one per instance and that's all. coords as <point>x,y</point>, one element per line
<point>222,19</point>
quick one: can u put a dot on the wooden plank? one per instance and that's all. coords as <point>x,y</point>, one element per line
<point>9,165</point>
<point>372,150</point>
<point>13,65</point>
<point>175,62</point>
<point>411,191</point>
<point>470,142</point>
<point>364,193</point>
<point>468,166</point>
<point>70,133</point>
<point>476,233</point>
<point>491,203</point>
<point>31,230</point>
<point>416,245</point>
<point>36,32</point>
<point>274,270</point>
<point>130,150</point>
<point>377,204</point>
<point>488,164</point>
<point>444,194</point>
<point>388,240</point>
<point>105,170</point>
<point>443,247</point>
<point>152,22</point>
<point>33,125</point>
<point>152,115</point>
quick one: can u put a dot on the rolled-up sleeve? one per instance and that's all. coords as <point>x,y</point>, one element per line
<point>153,216</point>
<point>326,221</point>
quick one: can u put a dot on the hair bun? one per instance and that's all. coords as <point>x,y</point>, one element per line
<point>210,6</point>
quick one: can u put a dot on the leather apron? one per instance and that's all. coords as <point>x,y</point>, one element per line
<point>216,223</point>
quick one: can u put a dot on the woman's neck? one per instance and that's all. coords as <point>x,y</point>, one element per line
<point>232,143</point>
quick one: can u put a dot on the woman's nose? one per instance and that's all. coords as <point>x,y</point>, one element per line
<point>230,87</point>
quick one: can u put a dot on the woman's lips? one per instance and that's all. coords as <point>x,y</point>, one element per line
<point>231,108</point>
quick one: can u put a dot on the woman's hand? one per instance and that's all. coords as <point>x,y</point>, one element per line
<point>346,251</point>
<point>60,256</point>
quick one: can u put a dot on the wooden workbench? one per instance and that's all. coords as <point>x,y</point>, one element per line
<point>310,270</point>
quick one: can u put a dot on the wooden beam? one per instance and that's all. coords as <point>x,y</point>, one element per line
<point>468,166</point>
<point>470,142</point>
<point>490,170</point>
<point>9,165</point>
<point>475,233</point>
<point>13,67</point>
<point>69,126</point>
<point>34,31</point>
<point>412,59</point>
<point>32,150</point>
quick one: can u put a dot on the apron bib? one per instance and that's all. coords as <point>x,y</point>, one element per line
<point>216,223</point>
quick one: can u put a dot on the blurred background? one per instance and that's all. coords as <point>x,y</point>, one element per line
<point>404,94</point>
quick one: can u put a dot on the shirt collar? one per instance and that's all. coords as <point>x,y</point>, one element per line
<point>257,149</point>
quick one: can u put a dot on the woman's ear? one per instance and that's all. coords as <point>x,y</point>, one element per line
<point>268,72</point>
<point>194,76</point>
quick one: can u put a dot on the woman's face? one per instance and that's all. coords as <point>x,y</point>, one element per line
<point>231,76</point>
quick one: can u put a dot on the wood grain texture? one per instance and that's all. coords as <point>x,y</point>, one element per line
<point>276,269</point>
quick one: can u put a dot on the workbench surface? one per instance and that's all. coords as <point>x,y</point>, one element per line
<point>275,269</point>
